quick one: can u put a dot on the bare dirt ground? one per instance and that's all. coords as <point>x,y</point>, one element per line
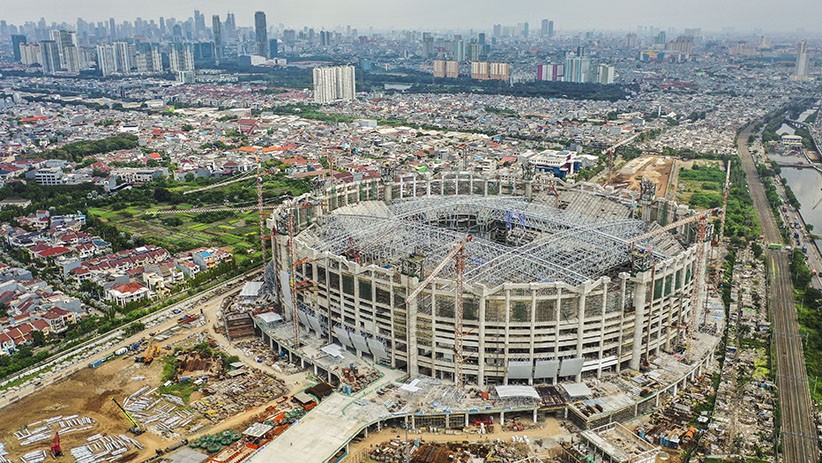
<point>550,428</point>
<point>649,167</point>
<point>87,393</point>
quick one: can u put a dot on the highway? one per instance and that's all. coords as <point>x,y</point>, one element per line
<point>798,436</point>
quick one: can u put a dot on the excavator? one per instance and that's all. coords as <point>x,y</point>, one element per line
<point>149,354</point>
<point>135,429</point>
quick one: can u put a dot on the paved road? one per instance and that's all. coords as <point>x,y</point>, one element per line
<point>798,431</point>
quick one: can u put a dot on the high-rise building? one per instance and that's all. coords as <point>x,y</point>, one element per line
<point>50,56</point>
<point>427,45</point>
<point>577,69</point>
<point>499,71</point>
<point>217,30</point>
<point>181,58</point>
<point>334,83</point>
<point>551,29</point>
<point>273,48</point>
<point>551,72</point>
<point>105,60</point>
<point>199,24</point>
<point>631,41</point>
<point>605,74</point>
<point>446,69</point>
<point>543,31</point>
<point>30,54</point>
<point>260,34</point>
<point>497,31</point>
<point>325,38</point>
<point>16,41</point>
<point>149,59</point>
<point>230,28</point>
<point>124,54</point>
<point>112,29</point>
<point>801,60</point>
<point>67,46</point>
<point>523,29</point>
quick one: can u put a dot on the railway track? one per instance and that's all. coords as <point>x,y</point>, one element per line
<point>798,433</point>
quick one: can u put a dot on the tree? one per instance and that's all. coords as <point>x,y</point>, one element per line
<point>38,338</point>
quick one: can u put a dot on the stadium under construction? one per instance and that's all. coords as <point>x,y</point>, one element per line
<point>486,281</point>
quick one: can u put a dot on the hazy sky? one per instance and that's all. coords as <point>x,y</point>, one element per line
<point>743,15</point>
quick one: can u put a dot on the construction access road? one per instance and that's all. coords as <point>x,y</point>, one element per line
<point>798,433</point>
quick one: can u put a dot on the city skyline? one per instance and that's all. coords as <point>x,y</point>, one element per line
<point>736,14</point>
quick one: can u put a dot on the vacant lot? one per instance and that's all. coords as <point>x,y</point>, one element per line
<point>180,232</point>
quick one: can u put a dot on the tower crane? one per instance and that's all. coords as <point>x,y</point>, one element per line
<point>726,191</point>
<point>458,254</point>
<point>702,228</point>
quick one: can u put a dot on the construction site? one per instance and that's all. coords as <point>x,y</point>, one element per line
<point>507,316</point>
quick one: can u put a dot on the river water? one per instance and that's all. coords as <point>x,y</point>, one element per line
<point>807,186</point>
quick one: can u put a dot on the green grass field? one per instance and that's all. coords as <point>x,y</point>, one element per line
<point>240,231</point>
<point>701,186</point>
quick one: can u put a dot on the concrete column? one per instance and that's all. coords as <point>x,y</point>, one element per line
<point>411,316</point>
<point>466,419</point>
<point>428,189</point>
<point>640,290</point>
<point>533,331</point>
<point>581,324</point>
<point>447,421</point>
<point>502,418</point>
<point>481,342</point>
<point>507,332</point>
<point>535,415</point>
<point>413,422</point>
<point>529,190</point>
<point>388,192</point>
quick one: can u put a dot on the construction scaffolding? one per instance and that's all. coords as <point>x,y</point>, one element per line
<point>515,239</point>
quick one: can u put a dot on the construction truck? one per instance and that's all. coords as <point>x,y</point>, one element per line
<point>135,428</point>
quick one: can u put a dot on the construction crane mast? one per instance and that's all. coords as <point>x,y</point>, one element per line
<point>458,254</point>
<point>726,191</point>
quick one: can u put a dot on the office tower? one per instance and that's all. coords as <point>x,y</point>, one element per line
<point>30,54</point>
<point>427,45</point>
<point>105,60</point>
<point>177,33</point>
<point>217,29</point>
<point>802,60</point>
<point>523,29</point>
<point>149,59</point>
<point>481,38</point>
<point>605,74</point>
<point>50,56</point>
<point>71,59</point>
<point>660,38</point>
<point>273,48</point>
<point>543,32</point>
<point>230,28</point>
<point>181,58</point>
<point>199,24</point>
<point>112,29</point>
<point>631,41</point>
<point>289,36</point>
<point>16,41</point>
<point>334,83</point>
<point>260,34</point>
<point>551,29</point>
<point>163,30</point>
<point>325,38</point>
<point>497,30</point>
